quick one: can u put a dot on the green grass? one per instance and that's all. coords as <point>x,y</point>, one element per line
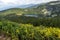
<point>29,32</point>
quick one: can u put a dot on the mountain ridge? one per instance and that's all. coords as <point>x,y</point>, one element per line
<point>44,9</point>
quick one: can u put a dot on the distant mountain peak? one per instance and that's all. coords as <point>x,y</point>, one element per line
<point>54,2</point>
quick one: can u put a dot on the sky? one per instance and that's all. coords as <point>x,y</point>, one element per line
<point>12,3</point>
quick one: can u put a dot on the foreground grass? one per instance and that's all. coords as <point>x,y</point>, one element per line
<point>29,32</point>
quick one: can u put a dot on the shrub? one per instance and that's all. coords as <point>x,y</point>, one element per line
<point>29,32</point>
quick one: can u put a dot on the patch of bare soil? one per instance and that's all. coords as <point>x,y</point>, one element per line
<point>3,36</point>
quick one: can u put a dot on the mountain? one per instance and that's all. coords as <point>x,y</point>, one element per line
<point>26,6</point>
<point>50,9</point>
<point>53,8</point>
<point>16,6</point>
<point>48,13</point>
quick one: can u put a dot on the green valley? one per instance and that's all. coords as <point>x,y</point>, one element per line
<point>38,22</point>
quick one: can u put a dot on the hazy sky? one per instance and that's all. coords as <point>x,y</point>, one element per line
<point>8,3</point>
<point>20,2</point>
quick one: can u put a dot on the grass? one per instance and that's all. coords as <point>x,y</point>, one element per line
<point>29,32</point>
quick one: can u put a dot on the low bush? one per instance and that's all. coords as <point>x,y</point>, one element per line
<point>29,32</point>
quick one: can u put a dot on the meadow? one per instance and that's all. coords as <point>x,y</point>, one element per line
<point>28,32</point>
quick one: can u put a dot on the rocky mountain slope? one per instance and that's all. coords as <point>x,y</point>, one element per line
<point>50,9</point>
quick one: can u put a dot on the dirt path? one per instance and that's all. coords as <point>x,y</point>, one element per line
<point>4,37</point>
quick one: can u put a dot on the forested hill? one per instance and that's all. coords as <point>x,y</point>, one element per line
<point>46,9</point>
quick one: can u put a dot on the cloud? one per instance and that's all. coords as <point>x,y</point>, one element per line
<point>20,2</point>
<point>12,3</point>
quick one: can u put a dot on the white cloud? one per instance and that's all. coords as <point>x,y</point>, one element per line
<point>19,2</point>
<point>12,3</point>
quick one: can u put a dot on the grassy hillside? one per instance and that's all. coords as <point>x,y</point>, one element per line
<point>14,25</point>
<point>47,14</point>
<point>29,32</point>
